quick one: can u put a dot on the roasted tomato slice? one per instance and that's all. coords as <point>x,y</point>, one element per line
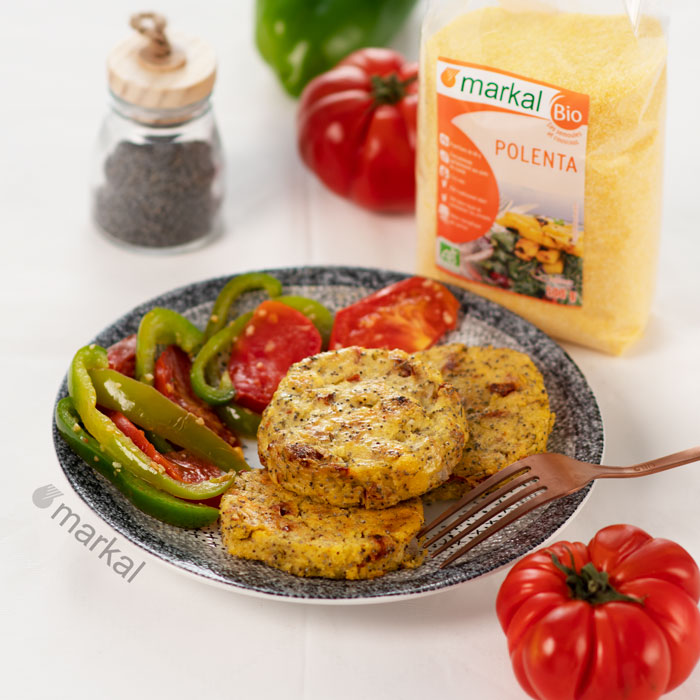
<point>122,355</point>
<point>410,315</point>
<point>172,378</point>
<point>274,339</point>
<point>194,469</point>
<point>180,464</point>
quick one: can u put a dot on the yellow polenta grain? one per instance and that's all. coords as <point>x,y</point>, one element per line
<point>625,78</point>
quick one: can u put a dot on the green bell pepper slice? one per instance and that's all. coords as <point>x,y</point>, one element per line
<point>145,497</point>
<point>300,39</point>
<point>231,291</point>
<point>218,343</point>
<point>240,420</point>
<point>122,451</point>
<point>148,408</point>
<point>162,327</point>
<point>160,443</point>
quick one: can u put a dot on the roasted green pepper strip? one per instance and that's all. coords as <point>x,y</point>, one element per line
<point>240,420</point>
<point>302,38</point>
<point>160,443</point>
<point>121,450</point>
<point>149,409</point>
<point>218,343</point>
<point>231,291</point>
<point>145,497</point>
<point>162,327</point>
<point>316,312</point>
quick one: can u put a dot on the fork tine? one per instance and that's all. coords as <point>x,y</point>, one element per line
<point>500,507</point>
<point>491,482</point>
<point>480,504</point>
<point>524,509</point>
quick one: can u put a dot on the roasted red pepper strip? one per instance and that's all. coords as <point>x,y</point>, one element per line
<point>180,464</point>
<point>139,439</point>
<point>274,339</point>
<point>409,315</point>
<point>172,379</point>
<point>194,468</point>
<point>122,355</point>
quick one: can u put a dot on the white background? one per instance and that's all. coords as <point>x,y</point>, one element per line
<point>71,628</point>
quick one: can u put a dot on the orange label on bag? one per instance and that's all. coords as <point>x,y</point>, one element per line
<point>511,176</point>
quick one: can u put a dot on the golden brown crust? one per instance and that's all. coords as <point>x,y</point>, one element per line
<point>263,521</point>
<point>356,426</point>
<point>507,409</point>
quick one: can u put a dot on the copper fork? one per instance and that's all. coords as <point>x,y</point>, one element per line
<point>528,484</point>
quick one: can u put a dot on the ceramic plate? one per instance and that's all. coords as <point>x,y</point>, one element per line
<point>578,432</point>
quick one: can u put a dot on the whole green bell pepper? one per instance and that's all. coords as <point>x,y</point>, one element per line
<point>302,38</point>
<point>145,497</point>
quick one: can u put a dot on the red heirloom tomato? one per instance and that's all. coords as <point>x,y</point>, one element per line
<point>615,620</point>
<point>410,315</point>
<point>357,129</point>
<point>274,339</point>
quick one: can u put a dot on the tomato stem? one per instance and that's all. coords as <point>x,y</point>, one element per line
<point>389,90</point>
<point>589,584</point>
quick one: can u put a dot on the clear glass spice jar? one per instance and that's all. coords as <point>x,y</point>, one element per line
<point>158,181</point>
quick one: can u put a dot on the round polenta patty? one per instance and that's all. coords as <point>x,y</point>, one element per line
<point>506,404</point>
<point>263,521</point>
<point>357,426</point>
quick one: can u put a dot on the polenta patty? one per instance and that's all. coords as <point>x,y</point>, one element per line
<point>506,404</point>
<point>362,427</point>
<point>263,521</point>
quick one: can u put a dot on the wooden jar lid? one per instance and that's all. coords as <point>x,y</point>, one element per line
<point>156,71</point>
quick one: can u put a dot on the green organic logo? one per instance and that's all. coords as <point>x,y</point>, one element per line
<point>449,255</point>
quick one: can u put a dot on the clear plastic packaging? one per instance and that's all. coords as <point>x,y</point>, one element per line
<point>540,157</point>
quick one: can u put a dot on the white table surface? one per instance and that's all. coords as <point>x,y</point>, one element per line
<point>71,628</point>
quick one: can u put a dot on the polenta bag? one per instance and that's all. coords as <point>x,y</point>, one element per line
<point>540,159</point>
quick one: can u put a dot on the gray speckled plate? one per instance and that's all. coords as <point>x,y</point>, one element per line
<point>578,432</point>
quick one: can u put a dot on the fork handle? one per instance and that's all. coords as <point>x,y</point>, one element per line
<point>677,459</point>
